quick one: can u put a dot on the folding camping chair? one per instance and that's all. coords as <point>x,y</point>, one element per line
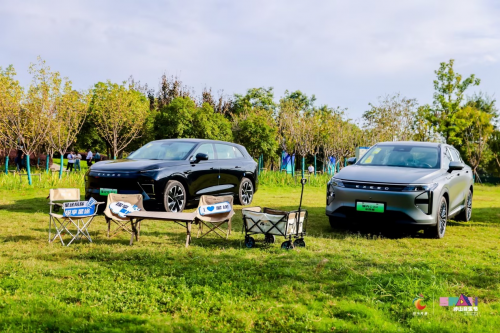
<point>123,223</point>
<point>215,221</point>
<point>57,198</point>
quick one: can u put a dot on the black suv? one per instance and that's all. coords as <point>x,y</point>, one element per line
<point>177,172</point>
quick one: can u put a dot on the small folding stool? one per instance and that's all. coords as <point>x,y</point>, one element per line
<point>214,221</point>
<point>75,213</point>
<point>123,223</point>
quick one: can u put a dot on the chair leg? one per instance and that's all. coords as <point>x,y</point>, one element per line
<point>109,226</point>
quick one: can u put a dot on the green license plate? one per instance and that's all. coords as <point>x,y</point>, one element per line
<point>106,191</point>
<point>372,207</point>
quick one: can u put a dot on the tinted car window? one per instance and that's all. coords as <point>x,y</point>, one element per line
<point>237,152</point>
<point>165,150</point>
<point>206,148</point>
<point>446,158</point>
<point>455,155</point>
<point>224,152</point>
<point>402,156</point>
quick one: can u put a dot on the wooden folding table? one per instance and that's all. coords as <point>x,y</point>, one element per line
<point>180,218</point>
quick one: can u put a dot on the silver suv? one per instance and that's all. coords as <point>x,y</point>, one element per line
<point>413,183</point>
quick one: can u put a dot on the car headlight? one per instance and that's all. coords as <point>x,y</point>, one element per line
<point>336,182</point>
<point>420,187</point>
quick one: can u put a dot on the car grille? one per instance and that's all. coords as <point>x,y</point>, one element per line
<point>374,186</point>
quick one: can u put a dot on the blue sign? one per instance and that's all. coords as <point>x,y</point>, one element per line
<point>79,208</point>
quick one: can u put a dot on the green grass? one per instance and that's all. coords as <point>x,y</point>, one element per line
<point>342,281</point>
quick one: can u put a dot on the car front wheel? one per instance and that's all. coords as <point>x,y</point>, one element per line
<point>174,198</point>
<point>439,229</point>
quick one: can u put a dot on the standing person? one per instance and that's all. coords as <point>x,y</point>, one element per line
<point>19,159</point>
<point>310,168</point>
<point>97,157</point>
<point>89,158</point>
<point>78,157</point>
<point>71,161</point>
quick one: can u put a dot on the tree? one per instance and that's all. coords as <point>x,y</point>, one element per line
<point>11,96</point>
<point>29,116</point>
<point>208,124</point>
<point>260,98</point>
<point>475,129</point>
<point>70,112</point>
<point>391,119</point>
<point>257,132</point>
<point>175,119</point>
<point>119,113</point>
<point>448,97</point>
<point>422,128</point>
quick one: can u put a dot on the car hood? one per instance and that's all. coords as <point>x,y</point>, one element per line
<point>386,174</point>
<point>129,165</point>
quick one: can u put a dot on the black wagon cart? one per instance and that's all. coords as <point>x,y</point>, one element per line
<point>271,222</point>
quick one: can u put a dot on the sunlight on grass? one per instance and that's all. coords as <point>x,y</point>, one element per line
<point>344,280</point>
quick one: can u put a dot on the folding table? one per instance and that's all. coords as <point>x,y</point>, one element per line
<point>183,219</point>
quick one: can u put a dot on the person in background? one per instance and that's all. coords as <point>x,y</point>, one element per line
<point>310,168</point>
<point>71,161</point>
<point>19,159</point>
<point>78,157</point>
<point>97,157</point>
<point>89,158</point>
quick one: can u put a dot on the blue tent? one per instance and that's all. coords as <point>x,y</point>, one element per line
<point>287,162</point>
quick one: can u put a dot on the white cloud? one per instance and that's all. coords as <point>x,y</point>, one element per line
<point>346,52</point>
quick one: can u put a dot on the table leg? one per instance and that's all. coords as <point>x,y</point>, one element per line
<point>188,233</point>
<point>134,231</point>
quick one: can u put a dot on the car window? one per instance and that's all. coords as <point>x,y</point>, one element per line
<point>455,155</point>
<point>163,150</point>
<point>407,156</point>
<point>237,152</point>
<point>206,148</point>
<point>446,158</point>
<point>224,152</point>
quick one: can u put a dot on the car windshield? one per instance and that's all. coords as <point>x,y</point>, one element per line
<point>405,156</point>
<point>158,150</point>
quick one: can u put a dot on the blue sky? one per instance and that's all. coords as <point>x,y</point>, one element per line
<point>347,53</point>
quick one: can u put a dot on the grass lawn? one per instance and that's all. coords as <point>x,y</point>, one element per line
<point>342,281</point>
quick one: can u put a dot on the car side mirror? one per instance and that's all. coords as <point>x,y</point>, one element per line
<point>351,160</point>
<point>200,157</point>
<point>455,166</point>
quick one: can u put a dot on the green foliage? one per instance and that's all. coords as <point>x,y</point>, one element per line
<point>119,112</point>
<point>260,98</point>
<point>257,132</point>
<point>449,92</point>
<point>182,118</point>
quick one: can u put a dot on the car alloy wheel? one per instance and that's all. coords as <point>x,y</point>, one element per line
<point>246,192</point>
<point>443,216</point>
<point>175,197</point>
<point>469,207</point>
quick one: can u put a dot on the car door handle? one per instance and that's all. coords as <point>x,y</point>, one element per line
<point>237,167</point>
<point>187,172</point>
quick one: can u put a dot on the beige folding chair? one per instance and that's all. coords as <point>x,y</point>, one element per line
<point>123,223</point>
<point>215,221</point>
<point>57,197</point>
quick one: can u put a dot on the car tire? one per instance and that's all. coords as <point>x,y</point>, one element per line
<point>439,229</point>
<point>174,198</point>
<point>466,213</point>
<point>245,192</point>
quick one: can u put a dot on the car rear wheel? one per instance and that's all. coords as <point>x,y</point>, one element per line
<point>466,213</point>
<point>245,192</point>
<point>439,229</point>
<point>174,198</point>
